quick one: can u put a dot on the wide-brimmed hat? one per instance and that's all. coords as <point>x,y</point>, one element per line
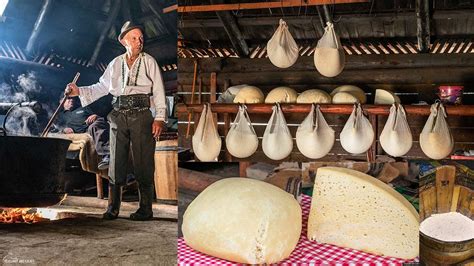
<point>128,26</point>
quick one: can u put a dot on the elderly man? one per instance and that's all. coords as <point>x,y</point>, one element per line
<point>132,78</point>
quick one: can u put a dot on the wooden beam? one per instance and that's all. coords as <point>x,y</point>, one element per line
<point>110,20</point>
<point>38,25</point>
<point>423,110</point>
<point>257,5</point>
<point>423,21</point>
<point>235,35</point>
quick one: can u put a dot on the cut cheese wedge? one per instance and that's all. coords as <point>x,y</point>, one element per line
<point>385,97</point>
<point>354,210</point>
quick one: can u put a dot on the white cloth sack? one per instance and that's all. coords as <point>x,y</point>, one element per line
<point>277,142</point>
<point>357,135</point>
<point>241,141</point>
<point>436,140</point>
<point>281,48</point>
<point>396,139</point>
<point>206,140</point>
<point>314,136</point>
<point>329,57</point>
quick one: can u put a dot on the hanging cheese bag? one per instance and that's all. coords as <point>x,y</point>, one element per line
<point>329,57</point>
<point>396,139</point>
<point>241,141</point>
<point>277,142</point>
<point>206,140</point>
<point>314,136</point>
<point>357,135</point>
<point>436,140</point>
<point>281,48</point>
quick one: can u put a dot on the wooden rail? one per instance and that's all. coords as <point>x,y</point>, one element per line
<point>424,110</point>
<point>257,5</point>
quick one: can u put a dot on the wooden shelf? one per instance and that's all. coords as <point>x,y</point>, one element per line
<point>459,110</point>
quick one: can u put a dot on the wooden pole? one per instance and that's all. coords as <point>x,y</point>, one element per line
<point>38,26</point>
<point>192,98</point>
<point>256,5</point>
<point>53,117</point>
<point>110,20</point>
<point>423,25</point>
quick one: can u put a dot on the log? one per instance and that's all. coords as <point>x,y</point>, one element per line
<point>306,63</point>
<point>194,180</point>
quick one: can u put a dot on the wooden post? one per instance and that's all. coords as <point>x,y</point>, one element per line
<point>100,186</point>
<point>228,156</point>
<point>233,32</point>
<point>213,87</point>
<point>423,25</point>
<point>243,165</point>
<point>110,20</point>
<point>445,177</point>
<point>38,26</point>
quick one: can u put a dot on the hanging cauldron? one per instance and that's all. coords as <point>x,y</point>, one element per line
<point>31,171</point>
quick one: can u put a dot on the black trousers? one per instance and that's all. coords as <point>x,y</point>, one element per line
<point>131,132</point>
<point>100,132</point>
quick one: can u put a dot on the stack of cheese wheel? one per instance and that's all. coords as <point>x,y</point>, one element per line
<point>249,94</point>
<point>243,220</point>
<point>314,96</point>
<point>354,210</point>
<point>281,95</point>
<point>348,94</point>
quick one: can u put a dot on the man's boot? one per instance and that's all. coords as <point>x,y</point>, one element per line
<point>115,198</point>
<point>145,212</point>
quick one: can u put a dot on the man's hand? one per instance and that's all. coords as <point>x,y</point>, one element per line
<point>72,90</point>
<point>68,130</point>
<point>157,128</point>
<point>91,119</point>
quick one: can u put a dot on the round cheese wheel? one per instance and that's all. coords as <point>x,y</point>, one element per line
<point>344,98</point>
<point>314,96</point>
<point>243,220</point>
<point>385,97</point>
<point>282,95</point>
<point>354,90</point>
<point>249,94</point>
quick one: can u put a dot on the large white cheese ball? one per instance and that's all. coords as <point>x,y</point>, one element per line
<point>354,90</point>
<point>249,94</point>
<point>282,95</point>
<point>314,96</point>
<point>243,220</point>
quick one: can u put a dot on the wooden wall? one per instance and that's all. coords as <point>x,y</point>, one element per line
<point>414,77</point>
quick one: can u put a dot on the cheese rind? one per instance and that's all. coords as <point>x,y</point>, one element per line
<point>243,220</point>
<point>354,210</point>
<point>354,90</point>
<point>385,97</point>
<point>314,96</point>
<point>281,95</point>
<point>249,94</point>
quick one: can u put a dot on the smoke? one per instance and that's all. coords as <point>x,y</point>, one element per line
<point>21,121</point>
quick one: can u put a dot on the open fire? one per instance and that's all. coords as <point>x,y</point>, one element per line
<point>27,215</point>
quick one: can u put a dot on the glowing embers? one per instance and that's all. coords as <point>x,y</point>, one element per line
<point>27,215</point>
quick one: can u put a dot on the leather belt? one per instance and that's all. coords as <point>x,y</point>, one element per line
<point>131,102</point>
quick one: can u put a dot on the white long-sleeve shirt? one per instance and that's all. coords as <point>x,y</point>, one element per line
<point>114,81</point>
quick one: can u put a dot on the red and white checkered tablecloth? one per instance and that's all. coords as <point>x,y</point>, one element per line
<point>306,252</point>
